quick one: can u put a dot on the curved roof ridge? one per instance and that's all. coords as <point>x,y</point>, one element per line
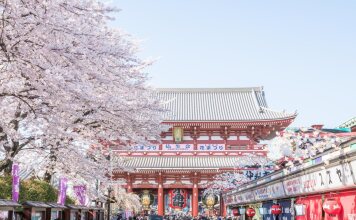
<point>217,104</point>
<point>283,111</point>
<point>227,89</point>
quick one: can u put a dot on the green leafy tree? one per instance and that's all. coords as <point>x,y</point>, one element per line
<point>31,190</point>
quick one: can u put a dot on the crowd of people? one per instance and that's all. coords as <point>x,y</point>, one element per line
<point>174,217</point>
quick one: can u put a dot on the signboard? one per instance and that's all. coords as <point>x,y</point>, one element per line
<point>263,193</point>
<point>256,174</point>
<point>178,134</point>
<point>277,189</point>
<point>270,192</point>
<point>248,196</point>
<point>211,147</point>
<point>335,177</point>
<point>145,148</point>
<point>178,147</point>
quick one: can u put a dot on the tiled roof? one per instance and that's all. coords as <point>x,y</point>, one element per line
<point>8,203</point>
<point>56,205</point>
<point>77,207</point>
<point>181,162</point>
<point>218,104</point>
<point>36,204</point>
<point>349,124</point>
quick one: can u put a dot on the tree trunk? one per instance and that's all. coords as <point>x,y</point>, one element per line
<point>52,163</point>
<point>6,166</point>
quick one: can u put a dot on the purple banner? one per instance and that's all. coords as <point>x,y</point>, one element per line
<point>80,191</point>
<point>62,191</point>
<point>15,182</point>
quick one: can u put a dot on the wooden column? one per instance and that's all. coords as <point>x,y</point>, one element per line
<point>195,200</point>
<point>129,183</point>
<point>160,199</point>
<point>222,207</point>
<point>160,195</point>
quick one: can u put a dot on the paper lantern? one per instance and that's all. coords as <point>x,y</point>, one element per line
<point>235,211</point>
<point>332,207</point>
<point>276,209</point>
<point>300,209</point>
<point>242,211</point>
<point>210,200</point>
<point>263,210</point>
<point>250,212</point>
<point>178,198</point>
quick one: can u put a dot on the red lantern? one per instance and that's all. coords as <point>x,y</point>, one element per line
<point>178,198</point>
<point>250,212</point>
<point>276,209</point>
<point>332,207</point>
<point>235,211</point>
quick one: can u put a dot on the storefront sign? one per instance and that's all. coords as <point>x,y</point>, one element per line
<point>211,147</point>
<point>293,186</point>
<point>277,189</point>
<point>263,193</point>
<point>249,196</point>
<point>328,179</point>
<point>353,167</point>
<point>239,199</point>
<point>178,147</point>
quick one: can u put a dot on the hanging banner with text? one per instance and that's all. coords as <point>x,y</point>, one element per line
<point>80,191</point>
<point>15,182</point>
<point>62,191</point>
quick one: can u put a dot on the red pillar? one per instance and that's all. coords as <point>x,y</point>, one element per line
<point>222,207</point>
<point>129,188</point>
<point>160,200</point>
<point>195,201</point>
<point>129,183</point>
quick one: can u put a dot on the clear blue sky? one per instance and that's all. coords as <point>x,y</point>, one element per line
<point>303,52</point>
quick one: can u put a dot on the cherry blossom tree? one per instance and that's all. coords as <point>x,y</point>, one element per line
<point>288,148</point>
<point>295,145</point>
<point>248,163</point>
<point>67,81</point>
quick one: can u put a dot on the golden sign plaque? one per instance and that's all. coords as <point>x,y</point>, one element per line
<point>178,134</point>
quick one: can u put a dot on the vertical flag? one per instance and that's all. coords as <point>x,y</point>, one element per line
<point>80,191</point>
<point>15,182</point>
<point>62,191</point>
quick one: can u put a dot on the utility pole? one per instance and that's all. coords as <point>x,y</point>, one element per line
<point>110,198</point>
<point>109,201</point>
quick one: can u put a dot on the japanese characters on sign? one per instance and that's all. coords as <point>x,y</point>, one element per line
<point>263,193</point>
<point>211,147</point>
<point>15,182</point>
<point>332,178</point>
<point>255,174</point>
<point>167,147</point>
<point>184,147</point>
<point>145,148</point>
<point>178,133</point>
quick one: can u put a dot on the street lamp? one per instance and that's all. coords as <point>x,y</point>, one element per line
<point>110,199</point>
